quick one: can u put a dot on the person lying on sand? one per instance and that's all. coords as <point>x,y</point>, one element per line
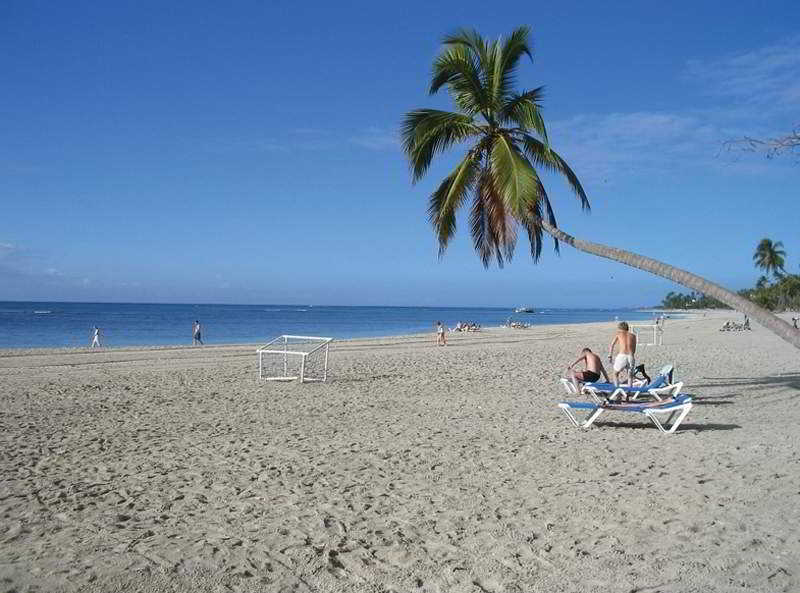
<point>594,368</point>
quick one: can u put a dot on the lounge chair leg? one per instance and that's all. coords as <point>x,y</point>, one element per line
<point>590,420</point>
<point>586,423</point>
<point>680,418</point>
<point>618,394</point>
<point>593,392</point>
<point>684,411</point>
<point>570,415</point>
<point>658,424</point>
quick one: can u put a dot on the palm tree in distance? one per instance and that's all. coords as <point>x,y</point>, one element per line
<point>770,257</point>
<point>507,140</point>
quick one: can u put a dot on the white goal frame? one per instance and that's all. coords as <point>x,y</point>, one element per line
<point>658,333</point>
<point>273,348</point>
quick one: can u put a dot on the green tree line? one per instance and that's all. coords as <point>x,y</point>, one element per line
<point>776,289</point>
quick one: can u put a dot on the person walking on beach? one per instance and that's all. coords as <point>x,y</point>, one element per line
<point>594,368</point>
<point>197,337</point>
<point>95,337</point>
<point>441,337</point>
<point>626,357</point>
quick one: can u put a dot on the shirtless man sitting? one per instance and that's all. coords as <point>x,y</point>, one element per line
<point>594,368</point>
<point>626,357</point>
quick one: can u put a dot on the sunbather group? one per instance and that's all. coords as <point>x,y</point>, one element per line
<point>731,326</point>
<point>467,326</point>
<point>665,397</point>
<point>625,361</point>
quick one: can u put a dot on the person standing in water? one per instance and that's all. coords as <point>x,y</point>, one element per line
<point>197,337</point>
<point>95,336</point>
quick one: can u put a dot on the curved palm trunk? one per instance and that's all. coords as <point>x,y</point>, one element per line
<point>741,304</point>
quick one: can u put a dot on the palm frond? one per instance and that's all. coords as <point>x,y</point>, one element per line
<point>426,132</point>
<point>450,195</point>
<point>513,175</point>
<point>541,154</point>
<point>493,227</point>
<point>506,61</point>
<point>500,170</point>
<point>541,206</point>
<point>523,110</point>
<point>484,238</point>
<point>770,256</point>
<point>479,227</point>
<point>459,69</point>
<point>473,41</point>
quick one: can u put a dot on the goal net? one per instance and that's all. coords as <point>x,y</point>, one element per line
<point>658,334</point>
<point>289,358</point>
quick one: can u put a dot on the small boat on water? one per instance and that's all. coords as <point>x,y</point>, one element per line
<point>524,310</point>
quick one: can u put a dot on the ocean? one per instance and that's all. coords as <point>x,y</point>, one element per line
<point>54,325</point>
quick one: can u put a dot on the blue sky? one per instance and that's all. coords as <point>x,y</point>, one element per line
<point>248,153</point>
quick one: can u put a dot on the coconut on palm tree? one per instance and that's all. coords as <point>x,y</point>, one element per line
<point>506,142</point>
<point>770,257</point>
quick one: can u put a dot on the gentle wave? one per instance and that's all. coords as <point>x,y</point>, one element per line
<point>30,324</point>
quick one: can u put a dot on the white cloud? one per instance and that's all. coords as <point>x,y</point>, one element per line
<point>310,132</point>
<point>754,92</point>
<point>603,146</point>
<point>767,76</point>
<point>23,263</point>
<point>7,249</point>
<point>221,146</point>
<point>307,139</point>
<point>376,138</point>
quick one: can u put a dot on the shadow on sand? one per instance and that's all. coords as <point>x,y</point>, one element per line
<point>713,400</point>
<point>682,428</point>
<point>788,380</point>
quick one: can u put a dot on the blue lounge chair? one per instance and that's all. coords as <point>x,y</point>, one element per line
<point>660,387</point>
<point>676,408</point>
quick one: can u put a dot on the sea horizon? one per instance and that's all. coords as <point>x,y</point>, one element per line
<point>58,324</point>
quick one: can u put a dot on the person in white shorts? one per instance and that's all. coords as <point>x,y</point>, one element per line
<point>441,337</point>
<point>197,337</point>
<point>95,337</point>
<point>626,357</point>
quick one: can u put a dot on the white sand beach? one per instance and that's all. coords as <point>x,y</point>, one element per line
<point>415,468</point>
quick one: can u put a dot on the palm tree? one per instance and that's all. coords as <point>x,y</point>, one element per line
<point>770,257</point>
<point>507,140</point>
